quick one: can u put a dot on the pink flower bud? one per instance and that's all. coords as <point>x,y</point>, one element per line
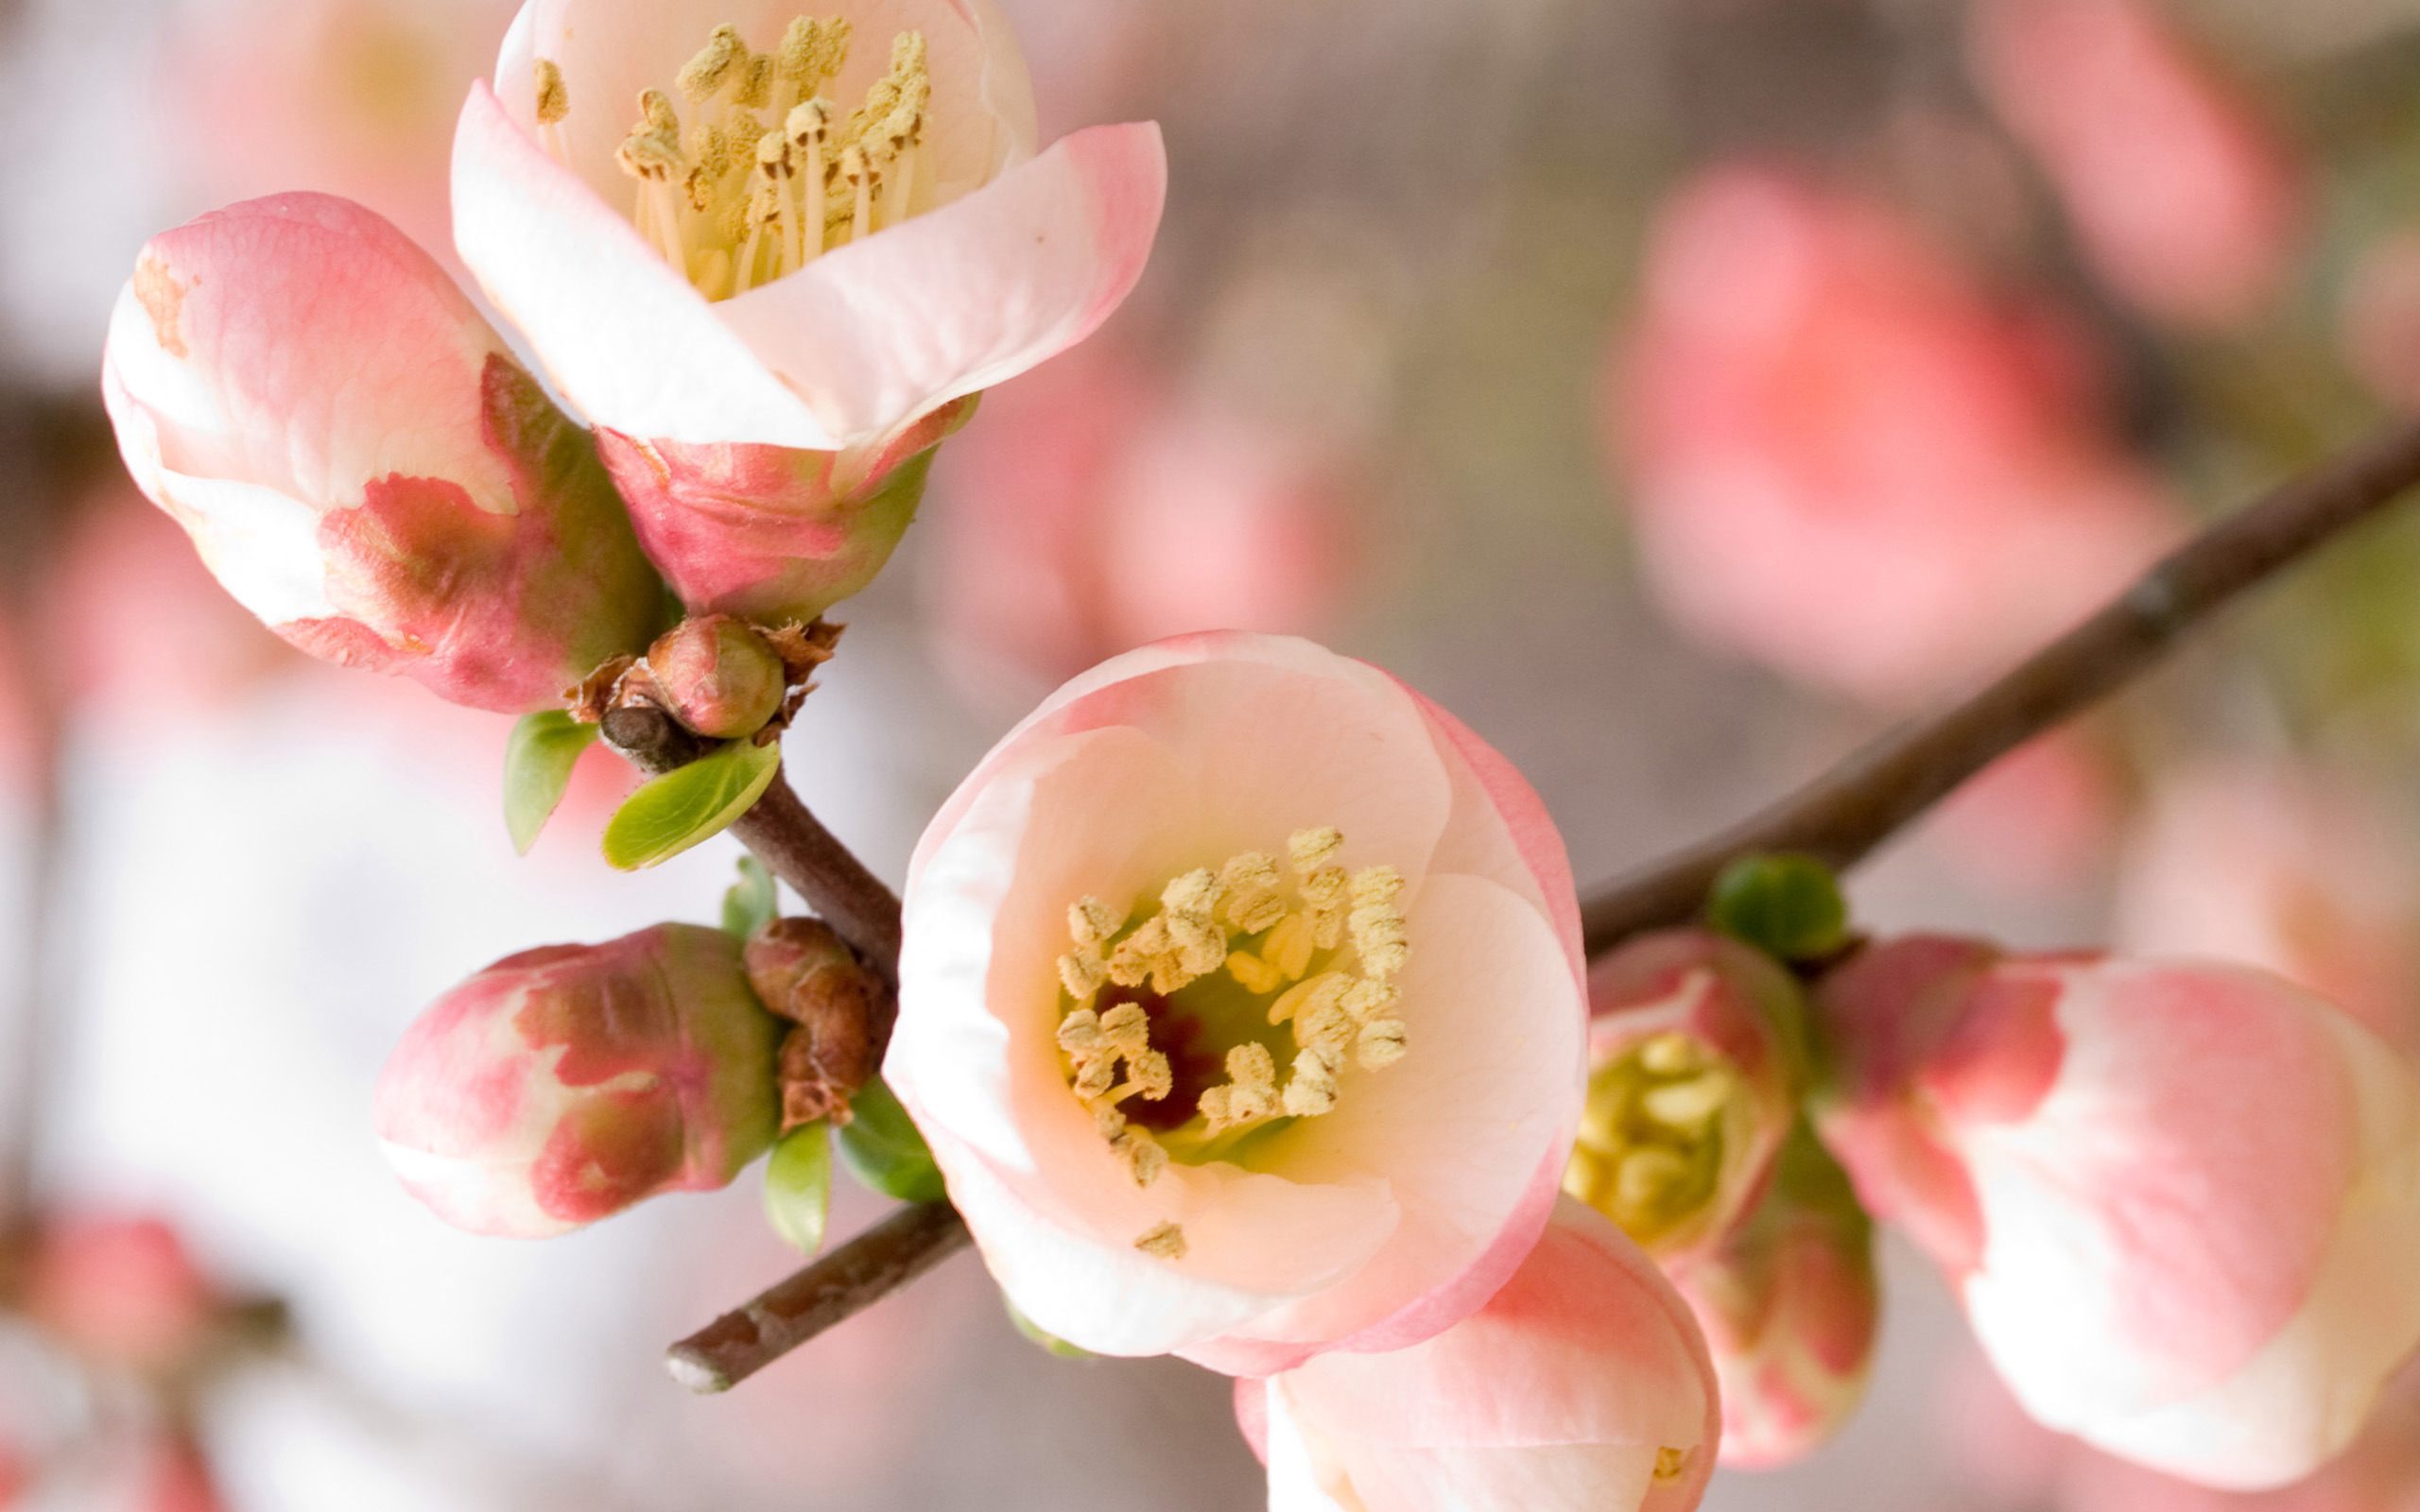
<point>717,677</point>
<point>1791,1307</point>
<point>362,461</point>
<point>562,1085</point>
<point>2180,1200</point>
<point>1694,1062</point>
<point>1582,1386</point>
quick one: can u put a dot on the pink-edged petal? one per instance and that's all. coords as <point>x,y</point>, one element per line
<point>875,333</point>
<point>1484,1093</point>
<point>1503,831</point>
<point>625,337</point>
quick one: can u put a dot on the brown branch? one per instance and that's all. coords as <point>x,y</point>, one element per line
<point>856,1275</point>
<point>1844,815</point>
<point>792,842</point>
<point>1840,817</point>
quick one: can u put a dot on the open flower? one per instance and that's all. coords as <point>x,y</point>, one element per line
<point>1582,1386</point>
<point>2181,1202</point>
<point>362,461</point>
<point>562,1085</point>
<point>1242,1004</point>
<point>1694,1063</point>
<point>767,255</point>
<point>1790,1307</point>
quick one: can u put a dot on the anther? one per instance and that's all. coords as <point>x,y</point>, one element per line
<point>1166,1241</point>
<point>1670,1462</point>
<point>1089,919</point>
<point>1289,946</point>
<point>1142,1154</point>
<point>1688,1106</point>
<point>1082,974</point>
<point>1670,1054</point>
<point>1079,1035</point>
<point>1645,1174</point>
<point>1381,1045</point>
<point>1127,1028</point>
<point>656,106</point>
<point>1320,993</point>
<point>704,76</point>
<point>1312,850</point>
<point>554,98</point>
<point>1366,1000</point>
<point>757,83</point>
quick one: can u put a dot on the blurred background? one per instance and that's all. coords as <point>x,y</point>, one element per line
<point>1681,391</point>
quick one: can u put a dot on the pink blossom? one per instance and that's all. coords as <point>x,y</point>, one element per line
<point>1790,1307</point>
<point>764,393</point>
<point>2179,1200</point>
<point>1582,1386</point>
<point>2037,822</point>
<point>2181,190</point>
<point>563,1084</point>
<point>1849,463</point>
<point>1242,1004</point>
<point>121,1290</point>
<point>1695,1056</point>
<point>362,461</point>
<point>2295,869</point>
<point>1091,510</point>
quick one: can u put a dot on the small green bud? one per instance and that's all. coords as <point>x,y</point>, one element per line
<point>797,1186</point>
<point>1789,906</point>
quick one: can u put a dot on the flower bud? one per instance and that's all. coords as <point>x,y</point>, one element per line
<point>362,462</point>
<point>121,1290</point>
<point>2168,1194</point>
<point>717,677</point>
<point>1694,1054</point>
<point>1790,1305</point>
<point>562,1085</point>
<point>805,973</point>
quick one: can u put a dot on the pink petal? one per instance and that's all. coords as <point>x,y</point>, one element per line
<point>875,333</point>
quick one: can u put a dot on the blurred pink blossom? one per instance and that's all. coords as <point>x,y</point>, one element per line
<point>1847,461</point>
<point>2183,193</point>
<point>1582,1386</point>
<point>351,97</point>
<point>1090,509</point>
<point>2178,1200</point>
<point>121,1290</point>
<point>2287,868</point>
<point>1319,1094</point>
<point>2036,822</point>
<point>2379,325</point>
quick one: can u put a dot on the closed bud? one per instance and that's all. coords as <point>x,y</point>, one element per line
<point>808,975</point>
<point>1694,1050</point>
<point>362,462</point>
<point>1790,1305</point>
<point>718,676</point>
<point>562,1085</point>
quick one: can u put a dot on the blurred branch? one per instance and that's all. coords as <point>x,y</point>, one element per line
<point>1845,814</point>
<point>792,841</point>
<point>849,1280</point>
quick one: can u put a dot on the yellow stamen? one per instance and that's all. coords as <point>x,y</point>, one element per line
<point>714,67</point>
<point>1165,1240</point>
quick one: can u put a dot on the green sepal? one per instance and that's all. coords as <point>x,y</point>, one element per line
<point>1789,906</point>
<point>798,1185</point>
<point>1052,1343</point>
<point>882,1149</point>
<point>538,762</point>
<point>752,902</point>
<point>690,804</point>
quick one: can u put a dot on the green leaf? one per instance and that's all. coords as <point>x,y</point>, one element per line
<point>884,1150</point>
<point>751,903</point>
<point>537,768</point>
<point>1789,906</point>
<point>798,1185</point>
<point>690,804</point>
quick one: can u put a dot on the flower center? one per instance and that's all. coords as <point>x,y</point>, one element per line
<point>1174,1027</point>
<point>763,174</point>
<point>1650,1153</point>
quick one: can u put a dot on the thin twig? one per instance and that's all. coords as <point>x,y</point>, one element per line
<point>852,1278</point>
<point>1840,817</point>
<point>1844,815</point>
<point>792,842</point>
